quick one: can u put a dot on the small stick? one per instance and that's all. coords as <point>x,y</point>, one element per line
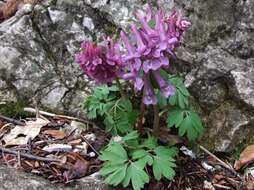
<point>219,160</point>
<point>19,159</point>
<point>90,145</point>
<point>10,120</point>
<point>28,156</point>
<point>221,186</point>
<point>7,163</point>
<point>32,110</point>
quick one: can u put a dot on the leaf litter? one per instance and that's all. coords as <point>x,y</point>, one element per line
<point>53,148</point>
<point>46,147</point>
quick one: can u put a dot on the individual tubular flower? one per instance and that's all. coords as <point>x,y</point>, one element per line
<point>148,97</point>
<point>148,49</point>
<point>166,89</point>
<point>101,63</point>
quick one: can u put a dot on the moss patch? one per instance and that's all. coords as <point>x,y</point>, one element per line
<point>14,109</point>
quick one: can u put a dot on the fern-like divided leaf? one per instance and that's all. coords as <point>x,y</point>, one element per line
<point>102,98</point>
<point>125,165</point>
<point>164,163</point>
<point>180,98</point>
<point>118,169</point>
<point>187,122</point>
<point>121,117</point>
<point>118,114</point>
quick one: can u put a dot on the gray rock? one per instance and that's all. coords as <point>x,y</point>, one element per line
<point>217,57</point>
<point>12,179</point>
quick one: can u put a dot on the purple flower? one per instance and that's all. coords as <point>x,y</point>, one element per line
<point>149,97</point>
<point>149,50</point>
<point>101,63</point>
<point>177,25</point>
<point>166,89</point>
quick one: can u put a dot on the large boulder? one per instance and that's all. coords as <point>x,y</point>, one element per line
<point>38,44</point>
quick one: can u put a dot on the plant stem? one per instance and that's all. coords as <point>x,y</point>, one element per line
<point>156,120</point>
<point>142,113</point>
<point>120,88</point>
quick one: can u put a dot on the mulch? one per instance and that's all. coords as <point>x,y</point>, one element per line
<point>61,166</point>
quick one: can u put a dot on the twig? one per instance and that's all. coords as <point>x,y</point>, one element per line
<point>90,145</point>
<point>32,110</point>
<point>10,120</point>
<point>221,186</point>
<point>219,160</point>
<point>19,159</point>
<point>28,156</point>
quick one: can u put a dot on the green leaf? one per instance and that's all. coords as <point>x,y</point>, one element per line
<point>180,99</point>
<point>120,117</point>
<point>132,117</point>
<point>191,126</point>
<point>175,117</point>
<point>137,175</point>
<point>92,114</point>
<point>192,135</point>
<point>117,176</point>
<point>114,88</point>
<point>109,167</point>
<point>162,101</point>
<point>144,155</point>
<point>165,151</point>
<point>186,123</point>
<point>150,142</point>
<point>99,102</point>
<point>109,123</point>
<point>164,162</point>
<point>197,123</point>
<point>173,99</point>
<point>164,74</point>
<point>125,104</point>
<point>131,136</point>
<point>115,152</point>
<point>184,91</point>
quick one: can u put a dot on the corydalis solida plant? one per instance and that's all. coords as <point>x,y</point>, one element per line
<point>143,62</point>
<point>145,55</point>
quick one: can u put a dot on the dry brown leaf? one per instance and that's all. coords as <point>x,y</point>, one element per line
<point>36,164</point>
<point>246,157</point>
<point>29,131</point>
<point>55,133</point>
<point>11,6</point>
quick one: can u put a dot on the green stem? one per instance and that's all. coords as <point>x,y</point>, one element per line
<point>120,88</point>
<point>156,120</point>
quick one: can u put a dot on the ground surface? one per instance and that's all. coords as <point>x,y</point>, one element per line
<point>67,166</point>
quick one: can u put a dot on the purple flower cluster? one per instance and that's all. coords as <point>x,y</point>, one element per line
<point>147,51</point>
<point>101,63</point>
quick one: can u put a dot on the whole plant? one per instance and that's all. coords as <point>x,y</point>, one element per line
<point>133,78</point>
